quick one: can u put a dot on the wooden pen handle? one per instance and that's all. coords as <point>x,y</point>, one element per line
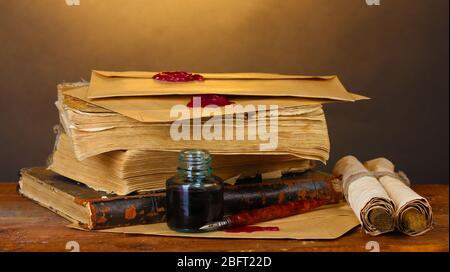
<point>275,211</point>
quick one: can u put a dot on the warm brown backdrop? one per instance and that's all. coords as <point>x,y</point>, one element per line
<point>396,53</point>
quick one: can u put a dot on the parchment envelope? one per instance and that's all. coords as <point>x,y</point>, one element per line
<point>136,95</point>
<point>155,109</point>
<point>114,84</point>
<point>328,222</point>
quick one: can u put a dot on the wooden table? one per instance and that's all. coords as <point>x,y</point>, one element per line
<point>25,226</point>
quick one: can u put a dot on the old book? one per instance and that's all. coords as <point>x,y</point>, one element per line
<point>89,208</point>
<point>302,131</point>
<point>309,185</point>
<point>92,209</point>
<point>125,171</point>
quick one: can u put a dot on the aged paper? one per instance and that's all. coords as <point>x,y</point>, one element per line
<point>114,84</point>
<point>406,200</point>
<point>366,196</point>
<point>327,222</point>
<point>154,109</point>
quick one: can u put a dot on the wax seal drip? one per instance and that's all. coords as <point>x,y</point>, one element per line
<point>251,229</point>
<point>208,100</point>
<point>178,76</point>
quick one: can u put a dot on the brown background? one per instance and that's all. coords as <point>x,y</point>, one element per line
<point>396,53</point>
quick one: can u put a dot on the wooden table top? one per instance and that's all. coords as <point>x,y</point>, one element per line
<point>26,226</point>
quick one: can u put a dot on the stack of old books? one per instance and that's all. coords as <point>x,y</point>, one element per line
<point>119,135</point>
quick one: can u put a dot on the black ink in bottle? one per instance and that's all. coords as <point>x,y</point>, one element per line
<point>194,195</point>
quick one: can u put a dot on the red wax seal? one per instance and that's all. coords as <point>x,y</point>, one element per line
<point>210,99</point>
<point>178,76</point>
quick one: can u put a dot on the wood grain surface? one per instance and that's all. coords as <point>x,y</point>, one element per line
<point>26,226</point>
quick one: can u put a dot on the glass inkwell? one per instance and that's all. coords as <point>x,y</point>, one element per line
<point>194,195</point>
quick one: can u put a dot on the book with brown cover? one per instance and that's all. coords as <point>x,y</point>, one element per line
<point>98,210</point>
<point>89,208</point>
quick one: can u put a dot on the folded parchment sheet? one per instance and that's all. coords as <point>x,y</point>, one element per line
<point>327,222</point>
<point>157,108</point>
<point>114,84</point>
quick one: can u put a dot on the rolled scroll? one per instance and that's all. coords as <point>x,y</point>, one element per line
<point>414,215</point>
<point>366,196</point>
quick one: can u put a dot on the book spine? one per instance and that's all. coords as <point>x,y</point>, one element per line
<point>127,211</point>
<point>151,208</point>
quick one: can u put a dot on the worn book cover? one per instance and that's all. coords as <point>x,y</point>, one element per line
<point>89,208</point>
<point>93,209</point>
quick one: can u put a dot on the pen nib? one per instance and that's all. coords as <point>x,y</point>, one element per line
<point>215,225</point>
